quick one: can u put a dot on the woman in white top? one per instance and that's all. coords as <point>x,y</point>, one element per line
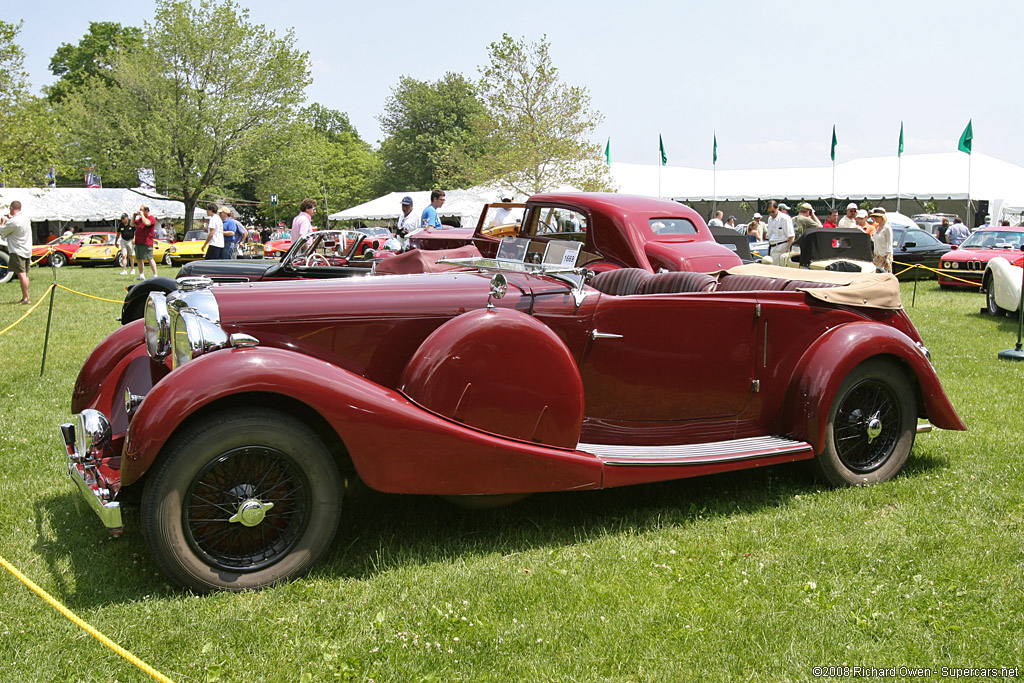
<point>881,240</point>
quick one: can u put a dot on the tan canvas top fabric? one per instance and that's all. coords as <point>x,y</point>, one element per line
<point>871,290</point>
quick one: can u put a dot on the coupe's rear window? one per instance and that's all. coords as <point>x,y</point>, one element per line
<point>672,226</point>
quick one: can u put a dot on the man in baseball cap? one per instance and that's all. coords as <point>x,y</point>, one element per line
<point>407,221</point>
<point>850,219</point>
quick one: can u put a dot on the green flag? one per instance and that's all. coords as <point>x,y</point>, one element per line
<point>834,142</point>
<point>661,144</point>
<point>714,151</point>
<point>967,139</point>
<point>608,152</point>
<point>900,152</point>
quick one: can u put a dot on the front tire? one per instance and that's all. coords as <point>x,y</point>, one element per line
<point>243,499</point>
<point>58,260</point>
<point>167,259</point>
<point>871,426</point>
<point>991,307</point>
<point>5,273</point>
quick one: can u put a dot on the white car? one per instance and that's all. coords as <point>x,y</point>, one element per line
<point>1002,286</point>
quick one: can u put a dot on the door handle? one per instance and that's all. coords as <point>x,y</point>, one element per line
<point>594,334</point>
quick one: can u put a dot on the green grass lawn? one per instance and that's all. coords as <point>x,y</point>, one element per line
<point>759,575</point>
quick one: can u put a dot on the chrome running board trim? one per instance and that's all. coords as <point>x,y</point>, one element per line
<point>696,454</point>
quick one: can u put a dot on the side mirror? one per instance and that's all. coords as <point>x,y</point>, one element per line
<point>909,245</point>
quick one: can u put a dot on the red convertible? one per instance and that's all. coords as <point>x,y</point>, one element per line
<point>235,412</point>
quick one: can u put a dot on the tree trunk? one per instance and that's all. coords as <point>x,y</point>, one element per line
<point>190,210</point>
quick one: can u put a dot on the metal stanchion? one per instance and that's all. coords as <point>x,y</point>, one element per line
<point>46,339</point>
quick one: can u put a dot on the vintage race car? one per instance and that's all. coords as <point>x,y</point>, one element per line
<point>965,265</point>
<point>189,249</point>
<point>319,254</point>
<point>235,412</point>
<point>616,231</point>
<point>1002,284</point>
<point>63,250</point>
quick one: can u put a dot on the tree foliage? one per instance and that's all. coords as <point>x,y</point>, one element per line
<point>538,127</point>
<point>28,135</point>
<point>319,155</point>
<point>93,56</point>
<point>423,123</point>
<point>204,88</point>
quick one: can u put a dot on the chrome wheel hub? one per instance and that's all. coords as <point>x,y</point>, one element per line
<point>251,512</point>
<point>874,428</point>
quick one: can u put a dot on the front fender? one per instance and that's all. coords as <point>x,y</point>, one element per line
<point>135,300</point>
<point>827,362</point>
<point>395,445</point>
<point>99,366</point>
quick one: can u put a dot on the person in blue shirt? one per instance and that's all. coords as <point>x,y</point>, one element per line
<point>428,218</point>
<point>232,233</point>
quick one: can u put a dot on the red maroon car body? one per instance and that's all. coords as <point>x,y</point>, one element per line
<point>965,265</point>
<point>616,231</point>
<point>502,380</point>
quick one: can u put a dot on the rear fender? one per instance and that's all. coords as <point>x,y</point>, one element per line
<point>826,363</point>
<point>395,445</point>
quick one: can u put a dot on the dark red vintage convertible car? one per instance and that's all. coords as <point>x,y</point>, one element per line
<point>238,410</point>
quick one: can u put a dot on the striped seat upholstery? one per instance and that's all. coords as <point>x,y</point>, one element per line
<point>745,283</point>
<point>794,285</point>
<point>677,282</point>
<point>621,281</point>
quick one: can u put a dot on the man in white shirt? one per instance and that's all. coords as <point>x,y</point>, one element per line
<point>716,222</point>
<point>214,244</point>
<point>779,231</point>
<point>407,223</point>
<point>16,226</point>
<point>850,219</point>
<point>502,215</point>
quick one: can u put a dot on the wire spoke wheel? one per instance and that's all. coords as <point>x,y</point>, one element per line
<point>871,425</point>
<point>264,482</point>
<point>867,426</point>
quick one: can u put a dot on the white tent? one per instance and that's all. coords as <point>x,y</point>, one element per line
<point>464,204</point>
<point>90,204</point>
<point>923,176</point>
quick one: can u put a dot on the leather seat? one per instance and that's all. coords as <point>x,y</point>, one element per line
<point>621,281</point>
<point>747,283</point>
<point>678,282</point>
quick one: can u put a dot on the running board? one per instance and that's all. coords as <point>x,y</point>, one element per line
<point>696,454</point>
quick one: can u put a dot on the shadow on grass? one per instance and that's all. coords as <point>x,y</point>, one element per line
<point>381,532</point>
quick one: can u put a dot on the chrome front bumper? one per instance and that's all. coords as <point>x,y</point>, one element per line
<point>90,486</point>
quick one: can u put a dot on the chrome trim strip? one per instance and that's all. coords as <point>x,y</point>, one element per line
<point>695,454</point>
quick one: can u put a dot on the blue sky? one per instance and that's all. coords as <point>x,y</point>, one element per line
<point>769,78</point>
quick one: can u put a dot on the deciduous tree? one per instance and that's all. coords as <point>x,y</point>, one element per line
<point>538,127</point>
<point>93,56</point>
<point>423,122</point>
<point>202,89</point>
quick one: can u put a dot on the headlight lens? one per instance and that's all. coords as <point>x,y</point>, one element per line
<point>193,335</point>
<point>158,326</point>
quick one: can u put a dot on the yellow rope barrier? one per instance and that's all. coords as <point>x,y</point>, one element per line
<point>89,296</point>
<point>47,293</point>
<point>944,273</point>
<point>84,625</point>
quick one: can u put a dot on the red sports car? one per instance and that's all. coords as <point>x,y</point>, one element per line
<point>61,251</point>
<point>965,265</point>
<point>240,409</point>
<point>278,245</point>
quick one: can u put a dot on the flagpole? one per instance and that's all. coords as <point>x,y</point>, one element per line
<point>969,193</point>
<point>899,170</point>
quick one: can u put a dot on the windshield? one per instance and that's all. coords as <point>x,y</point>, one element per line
<point>994,239</point>
<point>281,235</point>
<point>193,235</point>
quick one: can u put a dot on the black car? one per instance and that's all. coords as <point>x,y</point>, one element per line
<point>912,247</point>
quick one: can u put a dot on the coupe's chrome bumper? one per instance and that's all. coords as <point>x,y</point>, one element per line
<point>90,485</point>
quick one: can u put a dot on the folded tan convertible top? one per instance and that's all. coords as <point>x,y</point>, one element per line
<point>871,290</point>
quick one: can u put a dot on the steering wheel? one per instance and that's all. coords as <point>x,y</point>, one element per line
<point>317,261</point>
<point>543,227</point>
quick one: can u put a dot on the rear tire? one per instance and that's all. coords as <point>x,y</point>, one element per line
<point>58,260</point>
<point>243,499</point>
<point>871,426</point>
<point>5,273</point>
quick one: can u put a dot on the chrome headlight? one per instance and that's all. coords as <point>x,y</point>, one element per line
<point>173,250</point>
<point>92,433</point>
<point>193,335</point>
<point>158,326</point>
<point>194,293</point>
